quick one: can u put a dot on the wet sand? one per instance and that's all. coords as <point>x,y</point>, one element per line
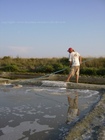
<point>26,111</point>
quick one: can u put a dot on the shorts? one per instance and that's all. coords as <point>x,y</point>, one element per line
<point>72,114</point>
<point>75,70</point>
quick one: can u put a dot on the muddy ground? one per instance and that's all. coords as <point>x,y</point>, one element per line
<point>56,77</point>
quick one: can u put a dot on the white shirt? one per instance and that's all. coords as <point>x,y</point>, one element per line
<point>74,57</point>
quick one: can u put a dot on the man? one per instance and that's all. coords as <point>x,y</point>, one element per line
<point>73,110</point>
<point>75,60</point>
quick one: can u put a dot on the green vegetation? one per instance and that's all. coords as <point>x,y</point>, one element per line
<point>90,66</point>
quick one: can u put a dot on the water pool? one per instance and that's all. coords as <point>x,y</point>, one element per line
<point>39,112</point>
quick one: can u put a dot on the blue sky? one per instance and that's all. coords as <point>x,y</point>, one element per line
<point>47,28</point>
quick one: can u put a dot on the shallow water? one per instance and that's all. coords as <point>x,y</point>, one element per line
<point>39,113</point>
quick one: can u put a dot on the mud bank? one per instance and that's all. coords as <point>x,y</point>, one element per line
<point>51,83</point>
<point>92,127</point>
<point>85,86</point>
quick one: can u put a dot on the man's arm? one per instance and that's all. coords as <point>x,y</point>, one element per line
<point>80,59</point>
<point>70,63</point>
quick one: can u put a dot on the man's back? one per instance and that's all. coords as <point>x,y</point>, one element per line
<point>74,57</point>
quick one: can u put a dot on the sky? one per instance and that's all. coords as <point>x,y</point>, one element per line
<point>47,28</point>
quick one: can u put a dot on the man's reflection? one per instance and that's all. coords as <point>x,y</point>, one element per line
<point>73,110</point>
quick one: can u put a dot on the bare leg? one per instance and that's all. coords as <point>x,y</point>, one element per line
<point>68,78</point>
<point>77,77</point>
<point>77,74</point>
<point>70,74</point>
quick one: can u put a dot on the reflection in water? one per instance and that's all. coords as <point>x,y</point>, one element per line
<point>73,110</point>
<point>38,113</point>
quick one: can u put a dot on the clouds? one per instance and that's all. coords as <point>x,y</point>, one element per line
<point>20,51</point>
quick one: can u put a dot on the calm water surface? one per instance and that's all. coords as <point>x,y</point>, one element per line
<point>38,113</point>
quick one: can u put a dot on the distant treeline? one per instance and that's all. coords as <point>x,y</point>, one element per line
<point>90,66</point>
